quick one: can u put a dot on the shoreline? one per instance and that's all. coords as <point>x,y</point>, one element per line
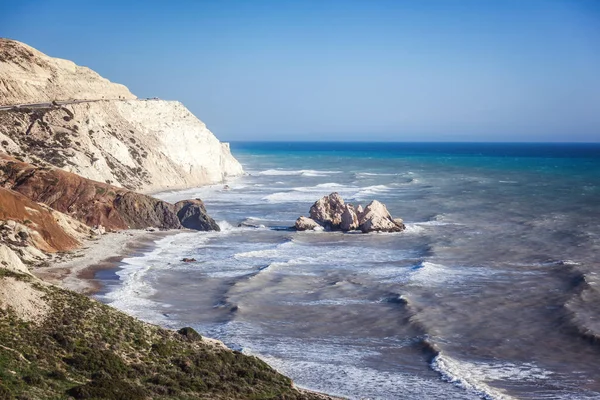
<point>77,270</point>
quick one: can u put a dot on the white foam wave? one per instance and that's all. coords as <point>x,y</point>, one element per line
<point>430,274</point>
<point>302,172</point>
<point>374,174</point>
<point>414,229</point>
<point>225,226</point>
<point>257,254</point>
<point>135,289</point>
<point>372,191</point>
<point>472,376</point>
<point>330,185</point>
<point>342,378</point>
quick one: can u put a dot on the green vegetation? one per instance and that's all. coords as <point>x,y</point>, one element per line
<point>87,350</point>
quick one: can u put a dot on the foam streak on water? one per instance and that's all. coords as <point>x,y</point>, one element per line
<point>491,292</point>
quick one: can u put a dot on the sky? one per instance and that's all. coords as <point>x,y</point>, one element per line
<point>421,70</point>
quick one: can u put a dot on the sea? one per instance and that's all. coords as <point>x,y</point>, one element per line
<point>492,291</point>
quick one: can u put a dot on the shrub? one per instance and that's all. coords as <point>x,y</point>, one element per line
<point>108,388</point>
<point>190,333</point>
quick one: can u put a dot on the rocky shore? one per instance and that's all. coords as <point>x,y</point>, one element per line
<point>71,173</point>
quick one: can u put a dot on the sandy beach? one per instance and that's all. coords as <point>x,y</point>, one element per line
<point>76,270</point>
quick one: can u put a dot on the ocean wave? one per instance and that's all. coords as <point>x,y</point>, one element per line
<point>330,185</point>
<point>310,194</point>
<point>429,274</point>
<point>357,174</point>
<point>372,191</point>
<point>225,226</point>
<point>472,376</point>
<point>294,196</point>
<point>265,253</point>
<point>302,172</point>
<point>582,308</point>
<point>413,229</point>
<point>335,367</point>
<point>133,293</point>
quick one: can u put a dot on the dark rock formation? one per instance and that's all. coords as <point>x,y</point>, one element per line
<point>93,203</point>
<point>190,334</point>
<point>140,211</point>
<point>192,215</point>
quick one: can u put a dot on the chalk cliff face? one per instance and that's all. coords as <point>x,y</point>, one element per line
<point>144,145</point>
<point>29,76</point>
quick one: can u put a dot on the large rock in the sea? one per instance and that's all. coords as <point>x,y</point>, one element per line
<point>332,213</point>
<point>328,211</point>
<point>192,215</point>
<point>349,218</point>
<point>307,224</point>
<point>376,218</point>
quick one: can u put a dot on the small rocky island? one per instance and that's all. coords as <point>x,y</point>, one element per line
<point>331,213</point>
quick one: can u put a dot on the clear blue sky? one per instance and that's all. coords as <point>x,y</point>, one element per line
<point>421,70</point>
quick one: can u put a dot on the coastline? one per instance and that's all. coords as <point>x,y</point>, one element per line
<point>77,270</point>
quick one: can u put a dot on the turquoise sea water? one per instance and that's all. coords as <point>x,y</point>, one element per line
<point>490,292</point>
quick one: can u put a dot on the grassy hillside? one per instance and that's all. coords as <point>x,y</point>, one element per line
<point>83,349</point>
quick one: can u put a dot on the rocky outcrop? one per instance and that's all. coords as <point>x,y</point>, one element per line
<point>307,224</point>
<point>192,215</point>
<point>142,145</point>
<point>93,203</point>
<point>328,211</point>
<point>349,218</point>
<point>139,211</point>
<point>332,213</point>
<point>376,218</point>
<point>98,205</point>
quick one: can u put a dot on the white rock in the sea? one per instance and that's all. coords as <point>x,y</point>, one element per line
<point>328,210</point>
<point>349,218</point>
<point>376,218</point>
<point>307,224</point>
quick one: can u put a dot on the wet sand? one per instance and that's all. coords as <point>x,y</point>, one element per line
<point>77,270</point>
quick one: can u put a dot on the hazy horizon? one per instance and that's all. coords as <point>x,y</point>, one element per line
<point>383,71</point>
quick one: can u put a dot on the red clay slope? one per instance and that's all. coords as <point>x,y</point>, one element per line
<point>91,202</point>
<point>14,206</point>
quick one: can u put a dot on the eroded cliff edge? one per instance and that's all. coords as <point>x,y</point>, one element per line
<point>72,118</point>
<point>56,343</point>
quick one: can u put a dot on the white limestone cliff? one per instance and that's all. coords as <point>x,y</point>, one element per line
<point>29,76</point>
<point>144,145</point>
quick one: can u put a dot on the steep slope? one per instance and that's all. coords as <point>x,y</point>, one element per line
<point>29,76</point>
<point>27,221</point>
<point>144,145</point>
<point>93,203</point>
<point>58,344</point>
